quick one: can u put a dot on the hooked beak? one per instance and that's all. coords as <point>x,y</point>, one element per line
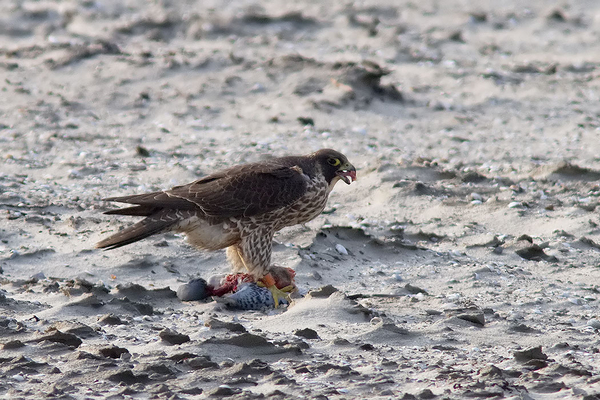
<point>347,173</point>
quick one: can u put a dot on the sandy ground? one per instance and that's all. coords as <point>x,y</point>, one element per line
<point>473,238</point>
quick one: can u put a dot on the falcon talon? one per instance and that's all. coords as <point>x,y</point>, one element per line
<point>239,208</point>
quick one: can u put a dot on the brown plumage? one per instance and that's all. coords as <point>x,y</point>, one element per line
<point>239,208</point>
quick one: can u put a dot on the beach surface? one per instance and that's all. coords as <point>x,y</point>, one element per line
<point>463,263</point>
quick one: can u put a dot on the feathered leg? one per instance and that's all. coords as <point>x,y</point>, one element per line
<point>254,251</point>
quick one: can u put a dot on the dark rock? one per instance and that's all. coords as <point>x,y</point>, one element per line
<point>535,253</point>
<point>13,344</point>
<point>113,351</point>
<point>183,356</point>
<point>159,368</point>
<point>89,300</point>
<point>491,371</point>
<point>525,238</point>
<point>414,289</point>
<point>78,329</point>
<point>192,390</point>
<point>535,364</point>
<point>426,394</point>
<point>302,370</point>
<point>173,337</point>
<point>131,289</point>
<point>473,177</point>
<point>128,377</point>
<point>59,337</point>
<point>322,292</point>
<point>478,318</point>
<point>306,121</point>
<point>196,289</point>
<point>328,366</point>
<point>548,387</point>
<point>534,353</point>
<point>244,340</point>
<point>223,391</point>
<point>110,319</point>
<point>142,151</point>
<point>522,328</point>
<point>200,362</point>
<point>340,342</point>
<point>391,327</point>
<point>255,367</point>
<point>214,323</point>
<point>307,333</point>
<point>84,355</point>
<point>135,307</point>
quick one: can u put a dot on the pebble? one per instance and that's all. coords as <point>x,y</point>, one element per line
<point>476,197</point>
<point>173,337</point>
<point>514,204</point>
<point>594,323</point>
<point>341,249</point>
<point>307,333</point>
<point>215,323</point>
<point>534,353</point>
<point>193,290</point>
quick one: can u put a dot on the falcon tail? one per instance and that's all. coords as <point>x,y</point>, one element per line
<point>147,227</point>
<point>138,231</point>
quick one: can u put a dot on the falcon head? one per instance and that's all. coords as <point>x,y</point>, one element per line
<point>334,165</point>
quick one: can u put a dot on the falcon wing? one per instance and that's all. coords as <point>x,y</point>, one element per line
<point>240,191</point>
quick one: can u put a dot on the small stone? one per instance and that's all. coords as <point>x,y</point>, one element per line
<point>306,121</point>
<point>110,319</point>
<point>223,391</point>
<point>254,367</point>
<point>414,289</point>
<point>476,196</point>
<point>322,292</point>
<point>341,249</point>
<point>247,340</point>
<point>13,344</point>
<point>522,328</point>
<point>214,323</point>
<point>534,353</point>
<point>59,337</point>
<point>307,333</point>
<point>515,204</point>
<point>113,351</point>
<point>491,371</point>
<point>200,362</point>
<point>340,342</point>
<point>173,337</point>
<point>195,289</point>
<point>477,317</point>
<point>142,151</point>
<point>535,253</point>
<point>594,323</point>
<point>37,277</point>
<point>128,377</point>
<point>426,394</point>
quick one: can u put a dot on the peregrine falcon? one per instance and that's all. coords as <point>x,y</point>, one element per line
<point>239,208</point>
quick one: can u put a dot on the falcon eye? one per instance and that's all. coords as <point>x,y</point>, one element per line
<point>334,161</point>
